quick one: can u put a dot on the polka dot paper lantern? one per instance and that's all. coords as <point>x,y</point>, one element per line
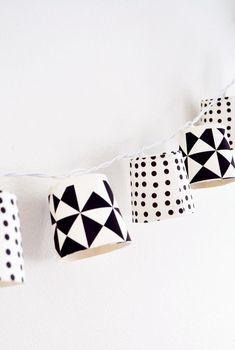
<point>207,154</point>
<point>11,255</point>
<point>86,218</point>
<point>222,112</point>
<point>159,187</point>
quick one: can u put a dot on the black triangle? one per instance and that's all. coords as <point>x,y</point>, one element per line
<point>56,202</point>
<point>128,238</point>
<point>113,224</point>
<point>52,219</point>
<point>204,174</point>
<point>191,139</point>
<point>118,210</point>
<point>222,130</point>
<point>182,151</point>
<point>70,247</point>
<point>208,137</point>
<point>202,157</point>
<point>64,225</point>
<point>95,202</point>
<point>69,197</point>
<point>110,192</point>
<point>232,162</point>
<point>186,164</point>
<point>56,242</point>
<point>92,228</point>
<point>223,163</point>
<point>224,144</point>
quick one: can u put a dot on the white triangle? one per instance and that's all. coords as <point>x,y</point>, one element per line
<point>99,215</point>
<point>64,210</point>
<point>122,224</point>
<point>77,232</point>
<point>105,236</point>
<point>218,137</point>
<point>230,172</point>
<point>227,153</point>
<point>61,238</point>
<point>213,165</point>
<point>193,168</point>
<point>201,146</point>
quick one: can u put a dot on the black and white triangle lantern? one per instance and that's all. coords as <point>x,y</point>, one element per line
<point>207,155</point>
<point>86,218</point>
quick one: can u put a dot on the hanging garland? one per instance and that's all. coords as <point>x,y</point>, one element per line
<point>85,216</point>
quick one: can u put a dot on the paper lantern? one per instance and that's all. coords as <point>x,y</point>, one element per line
<point>207,155</point>
<point>222,112</point>
<point>11,254</point>
<point>159,187</point>
<point>86,218</point>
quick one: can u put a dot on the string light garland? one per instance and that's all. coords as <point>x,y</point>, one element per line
<point>85,216</point>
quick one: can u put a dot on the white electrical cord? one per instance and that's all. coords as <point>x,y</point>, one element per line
<point>107,163</point>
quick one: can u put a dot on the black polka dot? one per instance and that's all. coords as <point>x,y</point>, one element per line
<point>219,111</point>
<point>158,213</point>
<point>143,204</point>
<point>167,182</point>
<point>181,211</point>
<point>154,173</point>
<point>5,223</point>
<point>165,163</point>
<point>167,203</point>
<point>12,202</point>
<point>229,119</point>
<point>153,163</point>
<point>143,173</point>
<point>144,184</point>
<point>136,166</point>
<point>8,252</point>
<point>143,195</point>
<point>176,161</point>
<point>170,212</point>
<point>228,127</point>
<point>8,264</point>
<point>155,184</point>
<point>3,210</point>
<point>143,164</point>
<point>229,110</point>
<point>228,103</point>
<point>146,214</point>
<point>210,111</point>
<point>154,195</point>
<point>219,104</point>
<point>166,171</point>
<point>167,193</point>
<point>153,157</point>
<point>136,193</point>
<point>219,120</point>
<point>12,277</point>
<point>178,201</point>
<point>136,184</point>
<point>13,217</point>
<point>136,174</point>
<point>135,204</point>
<point>155,205</point>
<point>7,237</point>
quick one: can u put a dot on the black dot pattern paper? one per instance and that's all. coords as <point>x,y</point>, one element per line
<point>11,253</point>
<point>159,187</point>
<point>221,112</point>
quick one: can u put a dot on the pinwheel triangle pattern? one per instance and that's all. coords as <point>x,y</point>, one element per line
<point>207,155</point>
<point>98,216</point>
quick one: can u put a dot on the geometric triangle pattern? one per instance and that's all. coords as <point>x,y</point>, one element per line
<point>222,111</point>
<point>85,215</point>
<point>209,156</point>
<point>160,187</point>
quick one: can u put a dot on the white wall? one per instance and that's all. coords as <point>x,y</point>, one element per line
<point>81,81</point>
